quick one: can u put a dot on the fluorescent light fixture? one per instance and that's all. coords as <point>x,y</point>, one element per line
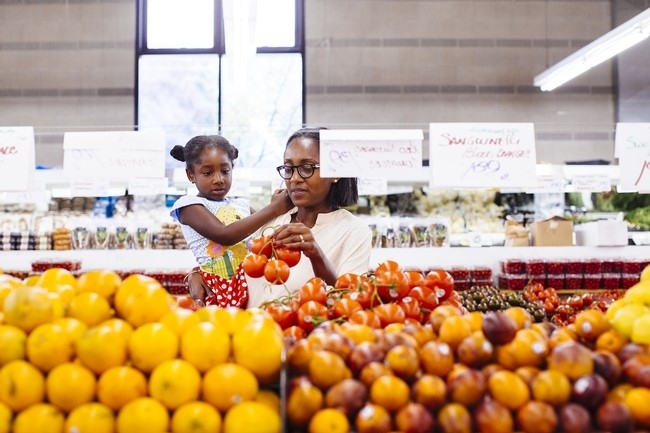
<point>605,47</point>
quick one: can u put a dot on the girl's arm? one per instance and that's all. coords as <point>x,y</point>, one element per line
<point>206,224</point>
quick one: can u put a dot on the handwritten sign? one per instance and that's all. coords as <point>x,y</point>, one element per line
<point>373,186</point>
<point>114,155</point>
<point>632,147</point>
<point>547,183</point>
<point>482,155</point>
<point>16,158</point>
<point>148,185</point>
<point>370,153</point>
<point>89,188</point>
<point>591,183</point>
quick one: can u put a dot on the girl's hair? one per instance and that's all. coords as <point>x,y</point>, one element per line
<point>191,152</point>
<point>343,193</point>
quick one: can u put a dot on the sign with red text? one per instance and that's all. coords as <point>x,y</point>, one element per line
<point>16,158</point>
<point>632,146</point>
<point>370,153</point>
<point>114,155</point>
<point>482,155</point>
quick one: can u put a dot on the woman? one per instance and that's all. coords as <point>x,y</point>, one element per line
<point>332,240</point>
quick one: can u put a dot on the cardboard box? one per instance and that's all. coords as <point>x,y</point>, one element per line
<point>603,233</point>
<point>552,232</point>
<point>516,235</point>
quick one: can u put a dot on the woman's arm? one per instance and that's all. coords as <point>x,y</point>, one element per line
<point>206,224</point>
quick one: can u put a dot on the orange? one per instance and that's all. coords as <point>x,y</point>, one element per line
<point>618,392</point>
<point>329,421</point>
<point>636,400</point>
<point>204,345</point>
<point>21,385</point>
<point>521,316</point>
<point>440,313</point>
<point>90,307</point>
<point>100,348</point>
<point>591,323</point>
<point>56,276</point>
<point>101,281</point>
<point>231,319</point>
<point>373,418</point>
<point>327,368</point>
<point>228,384</point>
<point>6,417</point>
<point>436,358</point>
<point>28,307</point>
<point>552,387</point>
<point>258,346</point>
<point>357,332</point>
<point>141,300</point>
<point>430,391</point>
<point>49,345</point>
<point>12,343</point>
<point>561,335</point>
<point>180,319</point>
<point>304,399</point>
<point>528,347</point>
<point>269,398</point>
<point>252,416</point>
<point>90,418</point>
<point>389,392</point>
<point>73,328</point>
<point>571,358</point>
<point>174,383</point>
<point>41,418</point>
<point>403,361</point>
<point>453,330</point>
<point>611,341</point>
<point>144,414</point>
<point>122,327</point>
<point>454,417</point>
<point>119,385</point>
<point>134,285</point>
<point>509,389</point>
<point>32,280</point>
<point>70,385</point>
<point>475,319</point>
<point>151,344</point>
<point>64,292</point>
<point>196,417</point>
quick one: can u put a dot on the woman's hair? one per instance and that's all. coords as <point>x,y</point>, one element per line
<point>343,193</point>
<point>191,152</point>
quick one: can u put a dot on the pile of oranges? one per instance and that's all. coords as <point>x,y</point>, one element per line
<point>101,354</point>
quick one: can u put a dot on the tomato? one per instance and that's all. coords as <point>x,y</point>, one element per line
<point>310,314</point>
<point>186,302</point>
<point>411,308</point>
<point>455,300</point>
<point>254,265</point>
<point>391,285</point>
<point>425,296</point>
<point>315,289</point>
<point>440,281</point>
<point>365,317</point>
<point>262,245</point>
<point>366,295</point>
<point>388,265</point>
<point>283,314</point>
<point>415,278</point>
<point>345,307</point>
<point>295,332</point>
<point>389,313</point>
<point>276,271</point>
<point>291,257</point>
<point>348,280</point>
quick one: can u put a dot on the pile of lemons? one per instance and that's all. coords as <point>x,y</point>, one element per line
<point>98,353</point>
<point>630,315</point>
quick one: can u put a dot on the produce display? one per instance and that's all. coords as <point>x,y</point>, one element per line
<point>390,350</point>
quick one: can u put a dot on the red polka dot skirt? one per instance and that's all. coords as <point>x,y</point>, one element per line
<point>227,293</point>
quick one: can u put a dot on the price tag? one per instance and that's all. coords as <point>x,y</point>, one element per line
<point>482,155</point>
<point>548,183</point>
<point>632,146</point>
<point>148,185</point>
<point>16,158</point>
<point>591,183</point>
<point>114,155</point>
<point>373,186</point>
<point>89,188</point>
<point>370,153</point>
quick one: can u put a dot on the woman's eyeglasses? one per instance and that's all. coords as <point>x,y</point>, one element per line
<point>304,170</point>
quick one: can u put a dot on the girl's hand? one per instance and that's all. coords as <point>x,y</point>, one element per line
<point>281,201</point>
<point>197,287</point>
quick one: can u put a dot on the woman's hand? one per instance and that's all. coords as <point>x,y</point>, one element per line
<point>197,287</point>
<point>296,236</point>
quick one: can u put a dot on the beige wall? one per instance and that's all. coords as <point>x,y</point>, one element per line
<point>69,65</point>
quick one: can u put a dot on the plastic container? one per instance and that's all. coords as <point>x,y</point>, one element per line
<point>482,273</point>
<point>487,282</point>
<point>593,266</point>
<point>517,282</point>
<point>555,281</point>
<point>632,266</point>
<point>459,273</point>
<point>513,266</point>
<point>573,281</point>
<point>611,281</point>
<point>460,285</point>
<point>555,267</point>
<point>610,266</point>
<point>574,267</point>
<point>592,281</point>
<point>536,267</point>
<point>628,280</point>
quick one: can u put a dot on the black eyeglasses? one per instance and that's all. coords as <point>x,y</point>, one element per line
<point>304,170</point>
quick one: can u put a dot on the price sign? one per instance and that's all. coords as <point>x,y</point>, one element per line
<point>591,183</point>
<point>547,183</point>
<point>16,158</point>
<point>89,188</point>
<point>633,151</point>
<point>482,155</point>
<point>370,153</point>
<point>148,185</point>
<point>114,155</point>
<point>373,186</point>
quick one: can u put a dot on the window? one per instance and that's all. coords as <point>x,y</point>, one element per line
<point>233,67</point>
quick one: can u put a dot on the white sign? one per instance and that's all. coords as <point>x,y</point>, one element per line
<point>373,186</point>
<point>591,183</point>
<point>89,188</point>
<point>547,183</point>
<point>16,158</point>
<point>632,147</point>
<point>482,155</point>
<point>370,153</point>
<point>114,155</point>
<point>148,185</point>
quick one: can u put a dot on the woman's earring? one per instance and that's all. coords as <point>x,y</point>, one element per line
<point>335,180</point>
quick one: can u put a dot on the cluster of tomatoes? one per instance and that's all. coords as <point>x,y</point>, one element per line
<point>386,295</point>
<point>268,261</point>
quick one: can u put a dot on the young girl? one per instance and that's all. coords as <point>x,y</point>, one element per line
<point>215,226</point>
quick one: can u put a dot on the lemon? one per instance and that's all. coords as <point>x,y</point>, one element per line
<point>645,274</point>
<point>614,307</point>
<point>638,293</point>
<point>641,330</point>
<point>624,318</point>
